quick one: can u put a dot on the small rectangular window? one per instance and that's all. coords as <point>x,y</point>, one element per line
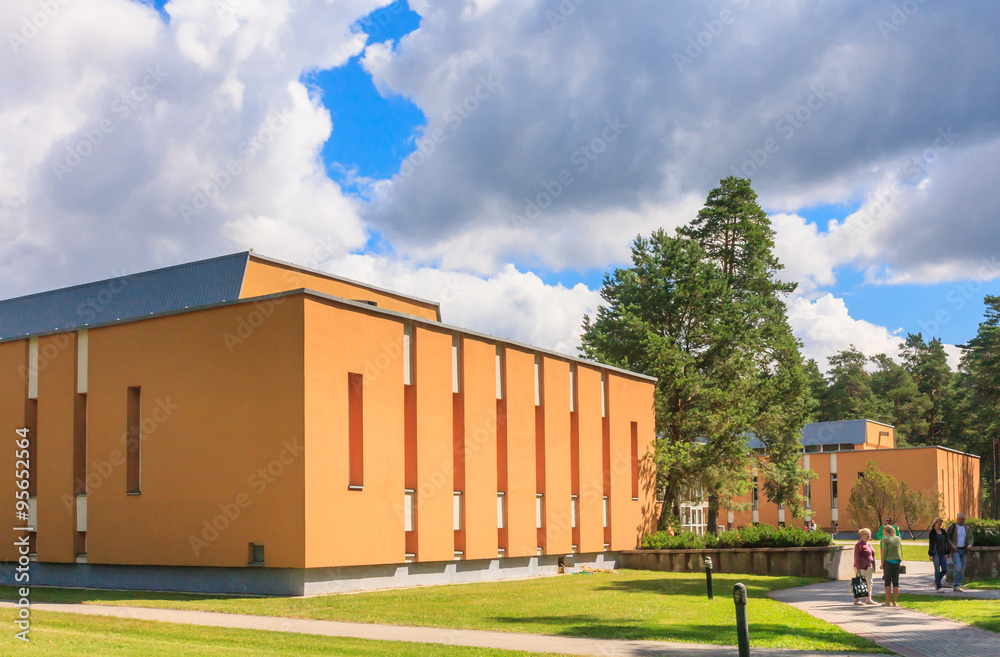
<point>409,510</point>
<point>833,491</point>
<point>133,461</point>
<point>32,368</point>
<point>756,494</point>
<point>82,350</point>
<point>574,511</point>
<point>356,430</point>
<point>808,495</point>
<point>256,554</point>
<point>539,511</point>
<point>606,512</point>
<point>458,510</point>
<point>501,511</point>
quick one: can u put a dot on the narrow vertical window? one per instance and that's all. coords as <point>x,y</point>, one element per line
<point>499,368</point>
<point>539,511</point>
<point>82,358</point>
<point>756,494</point>
<point>134,442</point>
<point>635,461</point>
<point>356,430</point>
<point>408,354</point>
<point>409,510</point>
<point>501,511</point>
<point>572,387</point>
<point>458,510</point>
<point>604,394</point>
<point>538,380</point>
<point>32,368</point>
<point>833,491</point>
<point>574,511</point>
<point>808,495</point>
<point>606,512</point>
<point>456,362</point>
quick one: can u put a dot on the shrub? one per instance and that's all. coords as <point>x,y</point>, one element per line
<point>752,536</point>
<point>984,532</point>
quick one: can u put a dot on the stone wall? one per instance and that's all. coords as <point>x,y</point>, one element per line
<point>832,562</point>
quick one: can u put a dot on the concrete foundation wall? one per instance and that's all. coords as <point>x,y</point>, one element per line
<point>984,563</point>
<point>296,581</point>
<point>833,562</point>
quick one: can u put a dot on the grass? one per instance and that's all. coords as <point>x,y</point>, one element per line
<point>981,584</point>
<point>73,635</point>
<point>980,613</point>
<point>635,605</point>
<point>912,550</point>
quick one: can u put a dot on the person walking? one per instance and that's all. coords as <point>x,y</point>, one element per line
<point>888,523</point>
<point>864,562</point>
<point>937,550</point>
<point>959,540</point>
<point>892,557</point>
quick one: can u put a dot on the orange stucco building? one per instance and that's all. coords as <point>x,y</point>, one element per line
<point>839,452</point>
<point>241,424</point>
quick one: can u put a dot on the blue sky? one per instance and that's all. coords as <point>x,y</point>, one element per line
<point>851,106</point>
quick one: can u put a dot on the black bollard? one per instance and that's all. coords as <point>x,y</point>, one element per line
<point>742,629</point>
<point>708,576</point>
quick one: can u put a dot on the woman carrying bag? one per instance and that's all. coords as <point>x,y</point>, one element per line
<point>864,564</point>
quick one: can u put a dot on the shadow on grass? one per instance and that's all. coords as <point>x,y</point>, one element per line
<point>721,584</point>
<point>91,596</point>
<point>761,634</point>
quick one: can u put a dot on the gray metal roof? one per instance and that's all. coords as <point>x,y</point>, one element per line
<point>127,297</point>
<point>853,432</point>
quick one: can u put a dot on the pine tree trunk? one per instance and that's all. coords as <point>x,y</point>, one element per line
<point>713,514</point>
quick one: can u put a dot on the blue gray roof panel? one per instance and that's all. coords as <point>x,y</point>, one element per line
<point>128,297</point>
<point>828,433</point>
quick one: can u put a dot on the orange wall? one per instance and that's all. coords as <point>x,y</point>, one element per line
<point>353,527</point>
<point>435,466</point>
<point>958,479</point>
<point>480,400</point>
<point>13,392</point>
<point>263,277</point>
<point>519,391</point>
<point>591,520</point>
<point>245,440</point>
<point>874,441</point>
<point>558,493</point>
<point>219,421</point>
<point>630,400</point>
<point>56,504</point>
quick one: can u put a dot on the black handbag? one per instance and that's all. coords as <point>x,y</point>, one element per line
<point>859,586</point>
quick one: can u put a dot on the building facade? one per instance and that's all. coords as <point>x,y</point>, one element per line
<point>246,425</point>
<point>839,452</point>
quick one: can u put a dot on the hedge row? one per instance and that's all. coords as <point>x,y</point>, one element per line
<point>752,536</point>
<point>985,532</point>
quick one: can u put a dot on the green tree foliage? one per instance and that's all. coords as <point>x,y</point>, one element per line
<point>818,387</point>
<point>978,392</point>
<point>704,312</point>
<point>927,363</point>
<point>900,402</point>
<point>850,395</point>
<point>874,499</point>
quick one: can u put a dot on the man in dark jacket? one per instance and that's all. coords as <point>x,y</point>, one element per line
<point>959,540</point>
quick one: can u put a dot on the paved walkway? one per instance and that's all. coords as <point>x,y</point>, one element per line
<point>906,632</point>
<point>430,635</point>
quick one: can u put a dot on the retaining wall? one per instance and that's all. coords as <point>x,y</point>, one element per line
<point>832,562</point>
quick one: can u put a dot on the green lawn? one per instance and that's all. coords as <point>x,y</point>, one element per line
<point>912,550</point>
<point>623,605</point>
<point>73,635</point>
<point>981,584</point>
<point>981,613</point>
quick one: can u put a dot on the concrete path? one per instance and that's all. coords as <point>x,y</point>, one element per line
<point>919,579</point>
<point>430,635</point>
<point>906,632</point>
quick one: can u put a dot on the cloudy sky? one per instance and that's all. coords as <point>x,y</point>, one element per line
<point>502,154</point>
